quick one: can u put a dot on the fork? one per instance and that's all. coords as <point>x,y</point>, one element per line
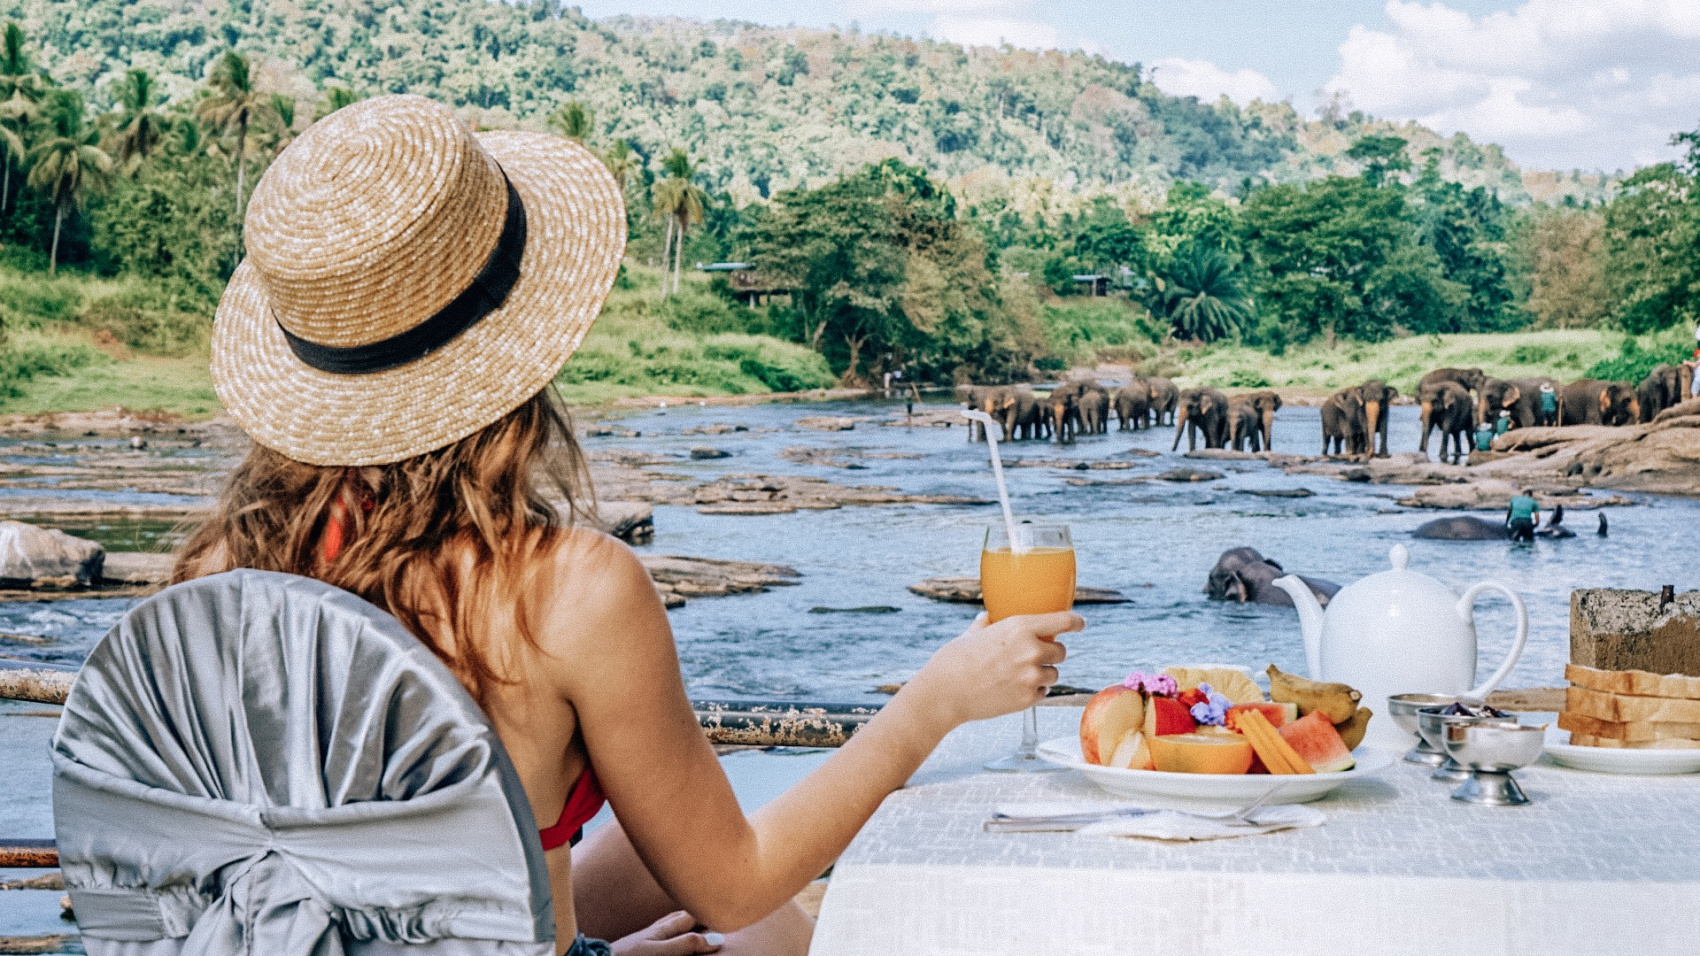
<point>1064,822</point>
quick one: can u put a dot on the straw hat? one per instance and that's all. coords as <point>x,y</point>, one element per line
<point>409,282</point>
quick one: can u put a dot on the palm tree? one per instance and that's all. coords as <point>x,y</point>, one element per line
<point>232,104</point>
<point>336,97</point>
<point>573,121</point>
<point>20,88</point>
<point>1202,294</point>
<point>681,202</point>
<point>66,164</point>
<point>620,161</point>
<point>279,132</point>
<point>141,126</point>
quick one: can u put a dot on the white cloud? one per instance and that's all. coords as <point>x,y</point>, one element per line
<point>862,7</point>
<point>1558,83</point>
<point>1208,82</point>
<point>995,31</point>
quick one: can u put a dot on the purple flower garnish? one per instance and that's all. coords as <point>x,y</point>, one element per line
<point>1213,711</point>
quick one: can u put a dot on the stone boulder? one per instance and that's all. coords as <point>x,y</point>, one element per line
<point>967,591</point>
<point>826,423</point>
<point>631,521</point>
<point>47,558</point>
<point>1659,458</point>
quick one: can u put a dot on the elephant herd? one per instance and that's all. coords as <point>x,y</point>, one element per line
<point>1075,407</point>
<point>1455,401</point>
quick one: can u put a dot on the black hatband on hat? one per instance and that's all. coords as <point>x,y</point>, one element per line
<point>488,290</point>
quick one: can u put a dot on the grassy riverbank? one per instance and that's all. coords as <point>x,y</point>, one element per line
<point>82,343</point>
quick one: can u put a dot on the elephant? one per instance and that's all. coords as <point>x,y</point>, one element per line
<point>1590,401</point>
<point>1018,409</point>
<point>1164,399</point>
<point>1267,404</point>
<point>1094,409</point>
<point>1472,379</point>
<point>1463,529</point>
<point>1521,397</point>
<point>1661,389</point>
<point>1344,427</point>
<point>1378,401</point>
<point>973,397</point>
<point>1245,425</point>
<point>1201,410</point>
<point>1062,410</point>
<point>1133,405</point>
<point>1244,575</point>
<point>1454,415</point>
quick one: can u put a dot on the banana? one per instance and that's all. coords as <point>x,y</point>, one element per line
<point>1352,730</point>
<point>1337,702</point>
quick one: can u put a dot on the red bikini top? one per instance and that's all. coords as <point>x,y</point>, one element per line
<point>584,801</point>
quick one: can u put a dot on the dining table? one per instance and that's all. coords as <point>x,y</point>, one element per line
<point>1595,864</point>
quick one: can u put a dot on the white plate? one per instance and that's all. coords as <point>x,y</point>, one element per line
<point>1625,761</point>
<point>1236,789</point>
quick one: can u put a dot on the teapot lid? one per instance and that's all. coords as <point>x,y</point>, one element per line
<point>1399,582</point>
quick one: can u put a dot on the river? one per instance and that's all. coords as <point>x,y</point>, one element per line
<point>1155,541</point>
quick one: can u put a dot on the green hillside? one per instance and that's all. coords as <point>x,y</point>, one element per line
<point>762,109</point>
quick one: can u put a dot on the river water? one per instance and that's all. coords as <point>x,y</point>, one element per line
<point>1154,541</point>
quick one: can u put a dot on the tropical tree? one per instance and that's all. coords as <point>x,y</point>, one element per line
<point>141,126</point>
<point>621,161</point>
<point>233,106</point>
<point>336,97</point>
<point>1202,294</point>
<point>66,164</point>
<point>20,89</point>
<point>279,130</point>
<point>573,121</point>
<point>680,202</point>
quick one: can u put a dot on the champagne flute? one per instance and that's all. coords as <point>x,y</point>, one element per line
<point>1026,569</point>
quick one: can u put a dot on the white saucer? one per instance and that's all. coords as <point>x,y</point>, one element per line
<point>1620,761</point>
<point>1237,789</point>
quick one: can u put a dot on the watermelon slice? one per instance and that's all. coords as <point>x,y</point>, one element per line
<point>1315,739</point>
<point>1278,714</point>
<point>1165,716</point>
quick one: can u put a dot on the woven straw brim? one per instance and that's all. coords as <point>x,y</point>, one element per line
<point>576,236</point>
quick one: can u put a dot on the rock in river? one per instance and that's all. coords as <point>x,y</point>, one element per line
<point>1188,474</point>
<point>707,453</point>
<point>823,423</point>
<point>967,591</point>
<point>678,577</point>
<point>43,557</point>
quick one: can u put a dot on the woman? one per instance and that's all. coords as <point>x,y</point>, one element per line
<point>411,291</point>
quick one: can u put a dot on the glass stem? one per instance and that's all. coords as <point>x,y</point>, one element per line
<point>1030,733</point>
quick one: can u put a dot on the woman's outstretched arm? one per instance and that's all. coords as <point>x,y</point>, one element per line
<point>612,655</point>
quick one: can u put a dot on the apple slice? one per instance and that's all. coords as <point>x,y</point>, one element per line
<point>1133,753</point>
<point>1108,717</point>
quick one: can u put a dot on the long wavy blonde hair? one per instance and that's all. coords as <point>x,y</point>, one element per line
<point>440,540</point>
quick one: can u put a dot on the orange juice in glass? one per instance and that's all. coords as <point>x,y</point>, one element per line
<point>1033,574</point>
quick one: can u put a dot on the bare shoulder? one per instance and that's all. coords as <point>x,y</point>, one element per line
<point>597,586</point>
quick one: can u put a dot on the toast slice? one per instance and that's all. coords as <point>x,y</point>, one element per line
<point>1637,683</point>
<point>1583,740</point>
<point>1628,732</point>
<point>1624,708</point>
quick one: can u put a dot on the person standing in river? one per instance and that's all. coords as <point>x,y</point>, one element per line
<point>1522,515</point>
<point>411,291</point>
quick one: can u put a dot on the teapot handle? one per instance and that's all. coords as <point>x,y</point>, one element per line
<point>1467,609</point>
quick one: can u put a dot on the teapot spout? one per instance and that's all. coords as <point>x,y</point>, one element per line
<point>1310,620</point>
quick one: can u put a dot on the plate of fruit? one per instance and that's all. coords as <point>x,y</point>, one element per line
<point>1210,734</point>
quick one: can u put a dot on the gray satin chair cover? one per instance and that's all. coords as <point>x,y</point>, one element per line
<point>261,763</point>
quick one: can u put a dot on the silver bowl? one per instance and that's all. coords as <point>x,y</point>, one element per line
<point>1490,751</point>
<point>1404,709</point>
<point>1432,724</point>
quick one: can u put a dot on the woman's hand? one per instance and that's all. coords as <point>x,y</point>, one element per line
<point>675,934</point>
<point>995,669</point>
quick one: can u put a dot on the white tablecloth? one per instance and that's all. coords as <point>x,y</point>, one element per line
<point>1596,865</point>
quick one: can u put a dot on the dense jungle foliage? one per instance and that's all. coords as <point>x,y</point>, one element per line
<point>955,212</point>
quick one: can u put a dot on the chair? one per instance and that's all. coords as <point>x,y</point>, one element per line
<point>258,763</point>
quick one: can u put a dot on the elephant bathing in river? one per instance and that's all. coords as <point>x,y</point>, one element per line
<point>1593,402</point>
<point>1164,399</point>
<point>1345,429</point>
<point>1244,575</point>
<point>1133,405</point>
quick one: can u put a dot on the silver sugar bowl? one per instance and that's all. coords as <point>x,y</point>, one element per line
<point>1490,751</point>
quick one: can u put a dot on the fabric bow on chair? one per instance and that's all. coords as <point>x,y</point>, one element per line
<point>257,763</point>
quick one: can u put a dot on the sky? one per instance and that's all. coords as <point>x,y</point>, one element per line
<point>1560,84</point>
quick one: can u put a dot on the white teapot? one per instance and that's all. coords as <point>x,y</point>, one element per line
<point>1399,632</point>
